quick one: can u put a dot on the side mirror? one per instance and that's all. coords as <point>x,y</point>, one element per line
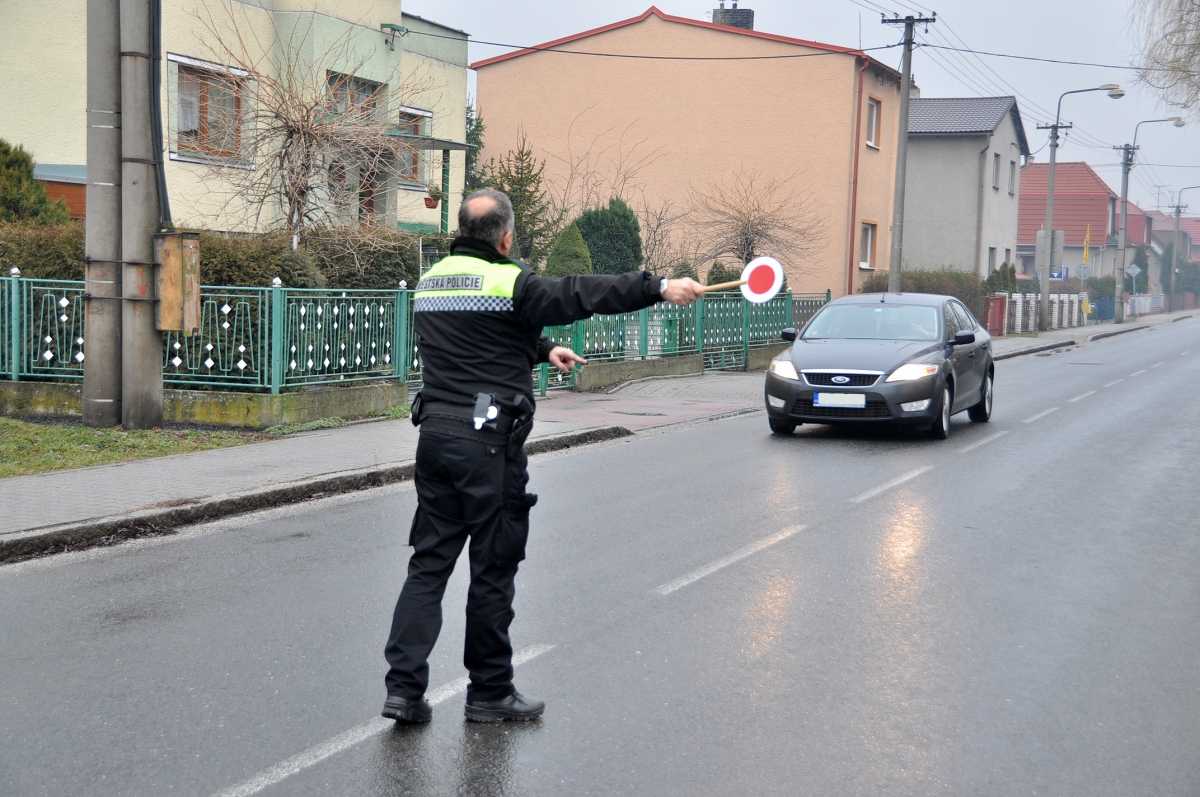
<point>788,334</point>
<point>964,338</point>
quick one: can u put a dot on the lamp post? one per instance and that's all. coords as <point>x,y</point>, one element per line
<point>1116,93</point>
<point>1127,153</point>
<point>1175,249</point>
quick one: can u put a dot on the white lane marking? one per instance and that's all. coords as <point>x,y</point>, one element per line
<point>982,442</point>
<point>1119,381</point>
<point>344,741</point>
<point>1137,373</point>
<point>1041,415</point>
<point>1080,398</point>
<point>712,567</point>
<point>883,488</point>
<point>1157,364</point>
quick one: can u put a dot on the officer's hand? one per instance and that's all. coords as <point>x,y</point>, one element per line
<point>564,359</point>
<point>682,291</point>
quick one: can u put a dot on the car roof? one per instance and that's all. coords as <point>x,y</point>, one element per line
<point>928,299</point>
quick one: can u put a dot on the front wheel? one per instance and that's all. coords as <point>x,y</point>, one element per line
<point>941,427</point>
<point>982,412</point>
<point>782,427</point>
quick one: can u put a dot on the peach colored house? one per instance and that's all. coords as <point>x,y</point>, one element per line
<point>711,102</point>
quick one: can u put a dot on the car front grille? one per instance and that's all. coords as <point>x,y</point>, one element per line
<point>826,379</point>
<point>877,407</point>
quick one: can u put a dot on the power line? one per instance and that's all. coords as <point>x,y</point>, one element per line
<point>1051,60</point>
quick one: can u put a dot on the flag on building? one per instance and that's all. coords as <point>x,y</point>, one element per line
<point>1087,244</point>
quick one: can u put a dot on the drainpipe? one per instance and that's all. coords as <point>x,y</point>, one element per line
<point>979,211</point>
<point>858,145</point>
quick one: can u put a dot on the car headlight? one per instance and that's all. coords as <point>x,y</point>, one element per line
<point>785,369</point>
<point>911,371</point>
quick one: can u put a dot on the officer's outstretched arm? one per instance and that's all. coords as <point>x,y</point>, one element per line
<point>544,301</point>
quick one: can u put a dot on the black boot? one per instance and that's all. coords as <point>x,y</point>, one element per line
<point>514,707</point>
<point>402,710</point>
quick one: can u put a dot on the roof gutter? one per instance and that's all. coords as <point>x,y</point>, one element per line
<point>862,77</point>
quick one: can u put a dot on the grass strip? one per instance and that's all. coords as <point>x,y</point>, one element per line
<point>27,448</point>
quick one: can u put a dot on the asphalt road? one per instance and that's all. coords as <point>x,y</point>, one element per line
<point>711,610</point>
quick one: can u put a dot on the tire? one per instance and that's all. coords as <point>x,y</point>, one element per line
<point>982,412</point>
<point>782,427</point>
<point>940,429</point>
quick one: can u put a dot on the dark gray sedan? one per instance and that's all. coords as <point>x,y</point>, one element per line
<point>911,359</point>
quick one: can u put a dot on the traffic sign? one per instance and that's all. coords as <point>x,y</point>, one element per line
<point>1133,271</point>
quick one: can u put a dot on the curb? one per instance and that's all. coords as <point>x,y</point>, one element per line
<point>35,542</point>
<point>1032,350</point>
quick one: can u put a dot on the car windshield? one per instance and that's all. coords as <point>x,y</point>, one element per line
<point>874,322</point>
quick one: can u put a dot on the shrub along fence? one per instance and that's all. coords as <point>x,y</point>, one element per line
<point>279,339</point>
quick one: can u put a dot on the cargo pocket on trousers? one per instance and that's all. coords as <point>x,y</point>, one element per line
<point>412,530</point>
<point>508,544</point>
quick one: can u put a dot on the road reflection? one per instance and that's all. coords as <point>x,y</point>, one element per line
<point>767,616</point>
<point>898,566</point>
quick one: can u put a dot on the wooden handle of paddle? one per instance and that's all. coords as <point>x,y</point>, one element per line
<point>725,286</point>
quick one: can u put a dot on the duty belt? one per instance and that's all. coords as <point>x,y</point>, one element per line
<point>454,420</point>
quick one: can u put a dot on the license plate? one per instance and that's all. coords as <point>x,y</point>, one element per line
<point>857,400</point>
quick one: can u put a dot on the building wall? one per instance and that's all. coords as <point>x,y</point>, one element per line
<point>686,124</point>
<point>1000,205</point>
<point>941,202</point>
<point>44,108</point>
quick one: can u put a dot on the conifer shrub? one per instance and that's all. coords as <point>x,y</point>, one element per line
<point>613,237</point>
<point>569,255</point>
<point>22,198</point>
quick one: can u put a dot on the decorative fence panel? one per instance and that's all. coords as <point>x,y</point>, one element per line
<point>279,338</point>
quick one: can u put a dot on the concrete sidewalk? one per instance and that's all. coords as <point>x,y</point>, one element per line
<point>72,506</point>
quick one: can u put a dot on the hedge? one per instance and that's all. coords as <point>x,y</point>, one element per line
<point>962,285</point>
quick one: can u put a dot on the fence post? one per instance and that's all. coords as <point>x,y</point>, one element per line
<point>699,305</point>
<point>277,298</point>
<point>14,321</point>
<point>643,331</point>
<point>577,344</point>
<point>400,335</point>
<point>828,296</point>
<point>791,310</point>
<point>543,378</point>
<point>745,334</point>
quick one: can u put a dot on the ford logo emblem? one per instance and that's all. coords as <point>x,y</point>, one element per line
<point>840,380</point>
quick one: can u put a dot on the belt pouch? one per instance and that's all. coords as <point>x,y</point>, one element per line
<point>508,543</point>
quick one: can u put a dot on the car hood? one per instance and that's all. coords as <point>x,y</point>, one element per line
<point>861,355</point>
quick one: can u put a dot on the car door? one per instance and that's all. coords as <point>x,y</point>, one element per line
<point>965,384</point>
<point>977,353</point>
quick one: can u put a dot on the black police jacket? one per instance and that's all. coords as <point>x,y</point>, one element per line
<point>470,345</point>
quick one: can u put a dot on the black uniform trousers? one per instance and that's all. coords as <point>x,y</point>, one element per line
<point>466,490</point>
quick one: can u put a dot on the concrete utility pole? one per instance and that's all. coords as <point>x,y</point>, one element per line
<point>102,293</point>
<point>1127,154</point>
<point>1043,257</point>
<point>1179,206</point>
<point>910,23</point>
<point>141,342</point>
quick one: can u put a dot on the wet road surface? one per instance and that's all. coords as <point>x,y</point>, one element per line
<point>712,610</point>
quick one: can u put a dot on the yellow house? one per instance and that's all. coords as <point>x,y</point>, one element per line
<point>211,101</point>
<point>660,108</point>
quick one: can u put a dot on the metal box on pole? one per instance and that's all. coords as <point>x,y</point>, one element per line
<point>177,282</point>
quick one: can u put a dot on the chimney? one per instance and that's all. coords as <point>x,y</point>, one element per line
<point>734,17</point>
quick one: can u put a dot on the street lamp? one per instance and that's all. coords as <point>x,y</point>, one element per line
<point>1116,93</point>
<point>1127,153</point>
<point>1175,248</point>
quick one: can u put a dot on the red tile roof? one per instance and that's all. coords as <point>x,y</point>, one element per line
<point>654,11</point>
<point>1081,198</point>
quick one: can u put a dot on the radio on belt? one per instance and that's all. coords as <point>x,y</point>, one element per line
<point>485,409</point>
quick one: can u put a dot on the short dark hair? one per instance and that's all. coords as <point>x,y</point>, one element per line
<point>490,224</point>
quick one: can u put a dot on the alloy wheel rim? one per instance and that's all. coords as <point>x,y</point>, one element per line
<point>988,387</point>
<point>945,409</point>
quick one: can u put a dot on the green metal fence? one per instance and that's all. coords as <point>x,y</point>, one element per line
<point>273,339</point>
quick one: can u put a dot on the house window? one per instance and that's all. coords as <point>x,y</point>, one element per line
<point>873,107</point>
<point>1012,178</point>
<point>866,249</point>
<point>1112,214</point>
<point>351,95</point>
<point>991,260</point>
<point>412,122</point>
<point>996,170</point>
<point>1007,256</point>
<point>210,113</point>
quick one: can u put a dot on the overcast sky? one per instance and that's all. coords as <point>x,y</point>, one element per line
<point>1074,30</point>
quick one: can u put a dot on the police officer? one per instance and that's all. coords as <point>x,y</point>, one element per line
<point>478,317</point>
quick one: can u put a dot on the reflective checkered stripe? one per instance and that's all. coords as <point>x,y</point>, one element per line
<point>481,304</point>
<point>466,284</point>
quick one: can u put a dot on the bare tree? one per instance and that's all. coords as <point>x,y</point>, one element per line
<point>1169,37</point>
<point>750,215</point>
<point>305,145</point>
